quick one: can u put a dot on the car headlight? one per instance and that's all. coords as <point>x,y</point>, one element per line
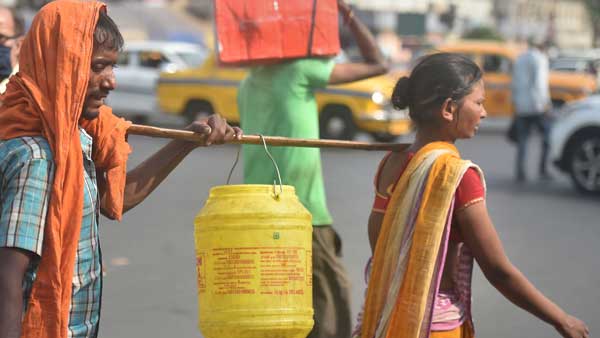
<point>378,98</point>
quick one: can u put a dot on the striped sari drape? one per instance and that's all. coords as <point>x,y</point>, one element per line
<point>410,252</point>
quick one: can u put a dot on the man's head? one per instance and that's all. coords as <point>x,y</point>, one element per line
<point>537,42</point>
<point>11,35</point>
<point>108,42</point>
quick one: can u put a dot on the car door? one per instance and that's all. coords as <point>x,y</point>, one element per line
<point>226,80</point>
<point>118,98</point>
<point>136,82</point>
<point>497,70</point>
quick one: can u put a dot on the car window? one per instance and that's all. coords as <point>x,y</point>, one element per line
<point>152,59</point>
<point>124,59</point>
<point>494,63</point>
<point>192,59</point>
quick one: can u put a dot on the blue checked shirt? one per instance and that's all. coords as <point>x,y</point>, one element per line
<point>26,173</point>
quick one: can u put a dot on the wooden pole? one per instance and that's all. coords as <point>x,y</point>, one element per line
<point>137,129</point>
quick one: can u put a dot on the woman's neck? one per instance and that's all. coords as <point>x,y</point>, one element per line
<point>425,136</point>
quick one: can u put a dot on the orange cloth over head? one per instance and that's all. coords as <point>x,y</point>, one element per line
<point>46,98</point>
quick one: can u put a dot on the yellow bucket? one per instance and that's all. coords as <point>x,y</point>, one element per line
<point>253,254</point>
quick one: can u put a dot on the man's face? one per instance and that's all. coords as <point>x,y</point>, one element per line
<point>101,81</point>
<point>7,28</point>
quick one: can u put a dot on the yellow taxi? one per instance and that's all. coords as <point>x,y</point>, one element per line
<point>343,109</point>
<point>496,60</point>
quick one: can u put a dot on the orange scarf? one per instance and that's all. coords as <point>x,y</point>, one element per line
<point>46,98</point>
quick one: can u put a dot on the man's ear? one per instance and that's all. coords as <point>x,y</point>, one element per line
<point>448,110</point>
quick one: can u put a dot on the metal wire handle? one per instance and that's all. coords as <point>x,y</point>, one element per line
<point>237,158</point>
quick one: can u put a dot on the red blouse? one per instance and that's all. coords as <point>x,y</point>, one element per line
<point>470,190</point>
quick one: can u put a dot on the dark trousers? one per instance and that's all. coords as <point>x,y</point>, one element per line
<point>331,286</point>
<point>523,125</point>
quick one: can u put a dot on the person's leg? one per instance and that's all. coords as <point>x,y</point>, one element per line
<point>522,127</point>
<point>331,287</point>
<point>543,124</point>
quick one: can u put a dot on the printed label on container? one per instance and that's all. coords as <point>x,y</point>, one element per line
<point>201,271</point>
<point>258,270</point>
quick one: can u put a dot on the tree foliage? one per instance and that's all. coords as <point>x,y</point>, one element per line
<point>593,9</point>
<point>483,33</point>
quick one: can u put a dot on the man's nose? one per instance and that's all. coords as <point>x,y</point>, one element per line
<point>109,82</point>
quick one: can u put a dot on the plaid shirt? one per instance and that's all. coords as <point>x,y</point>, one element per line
<point>26,173</point>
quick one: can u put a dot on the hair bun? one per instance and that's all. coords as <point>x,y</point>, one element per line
<point>400,96</point>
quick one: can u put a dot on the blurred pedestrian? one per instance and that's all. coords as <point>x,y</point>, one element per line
<point>63,157</point>
<point>279,99</point>
<point>532,104</point>
<point>430,218</point>
<point>12,29</point>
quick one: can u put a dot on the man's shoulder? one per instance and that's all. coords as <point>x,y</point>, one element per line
<point>26,148</point>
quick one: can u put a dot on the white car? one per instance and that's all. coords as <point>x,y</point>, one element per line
<point>138,68</point>
<point>575,143</point>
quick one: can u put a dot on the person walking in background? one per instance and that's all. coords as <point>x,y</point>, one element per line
<point>531,102</point>
<point>430,219</point>
<point>63,157</point>
<point>279,99</point>
<point>12,29</point>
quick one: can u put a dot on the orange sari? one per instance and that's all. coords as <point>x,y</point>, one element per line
<point>410,252</point>
<point>46,98</point>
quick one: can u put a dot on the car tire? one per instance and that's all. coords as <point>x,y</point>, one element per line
<point>584,163</point>
<point>336,122</point>
<point>195,110</point>
<point>384,137</point>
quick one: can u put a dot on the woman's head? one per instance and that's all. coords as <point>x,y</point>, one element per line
<point>108,42</point>
<point>437,90</point>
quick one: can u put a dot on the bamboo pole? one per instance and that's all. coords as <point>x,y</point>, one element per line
<point>276,141</point>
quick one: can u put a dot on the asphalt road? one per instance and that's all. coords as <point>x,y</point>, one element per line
<point>549,231</point>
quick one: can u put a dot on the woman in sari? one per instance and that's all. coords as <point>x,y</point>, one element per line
<point>430,221</point>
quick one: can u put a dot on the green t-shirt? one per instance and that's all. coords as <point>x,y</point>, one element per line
<point>279,100</point>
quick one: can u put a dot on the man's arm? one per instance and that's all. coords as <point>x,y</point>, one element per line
<point>374,62</point>
<point>143,179</point>
<point>13,265</point>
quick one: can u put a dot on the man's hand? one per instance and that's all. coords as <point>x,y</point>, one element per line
<point>216,129</point>
<point>344,8</point>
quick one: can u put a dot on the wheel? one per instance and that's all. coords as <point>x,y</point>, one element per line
<point>584,164</point>
<point>195,110</point>
<point>336,123</point>
<point>384,137</point>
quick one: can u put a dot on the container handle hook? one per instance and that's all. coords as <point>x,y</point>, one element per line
<point>237,158</point>
<point>262,138</point>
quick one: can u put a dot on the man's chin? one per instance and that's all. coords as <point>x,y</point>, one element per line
<point>90,115</point>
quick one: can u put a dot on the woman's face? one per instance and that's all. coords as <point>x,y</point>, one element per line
<point>470,112</point>
<point>101,81</point>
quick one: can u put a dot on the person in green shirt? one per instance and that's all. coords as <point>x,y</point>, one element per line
<point>279,100</point>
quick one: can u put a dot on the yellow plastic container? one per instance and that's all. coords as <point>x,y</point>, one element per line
<point>254,264</point>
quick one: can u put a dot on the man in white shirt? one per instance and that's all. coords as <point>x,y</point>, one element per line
<point>531,100</point>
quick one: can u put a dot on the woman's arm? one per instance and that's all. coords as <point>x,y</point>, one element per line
<point>481,237</point>
<point>144,178</point>
<point>375,221</point>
